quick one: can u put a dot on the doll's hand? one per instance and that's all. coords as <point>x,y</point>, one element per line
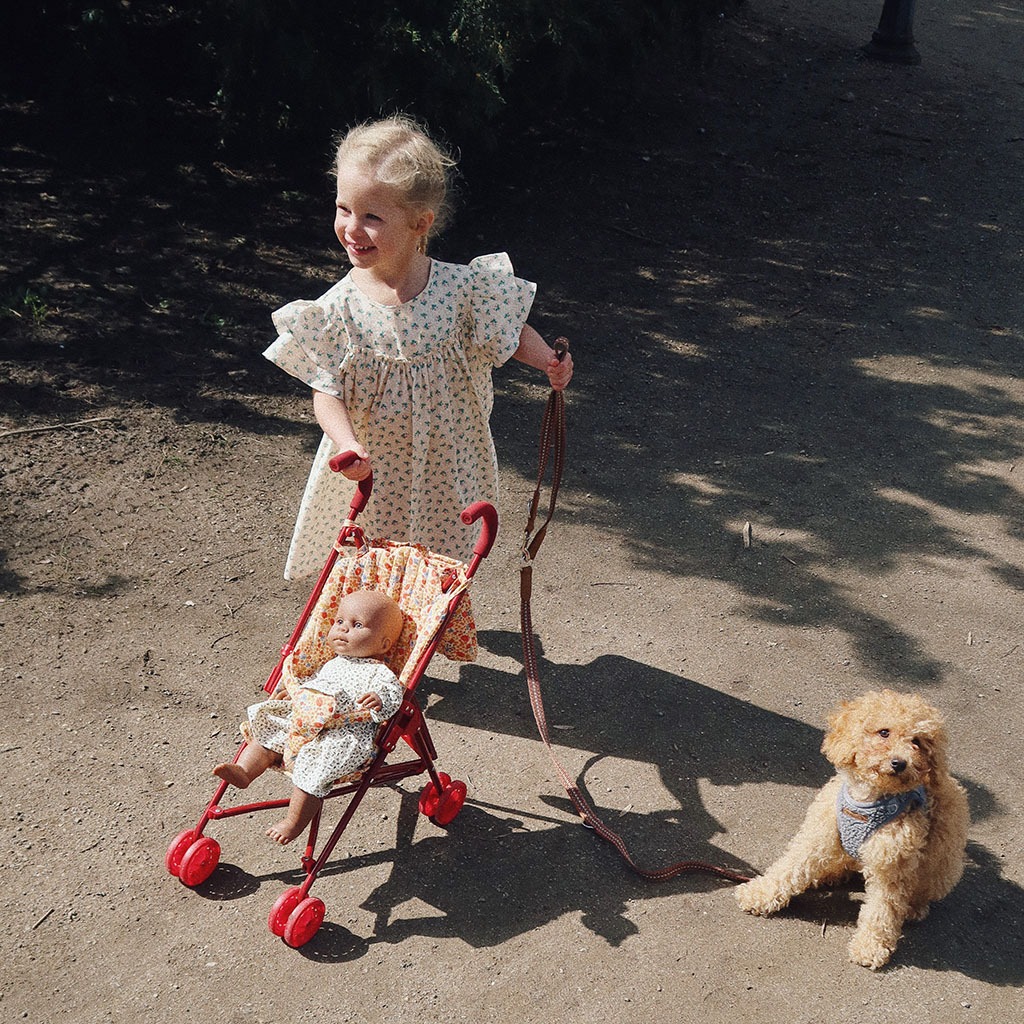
<point>369,702</point>
<point>560,372</point>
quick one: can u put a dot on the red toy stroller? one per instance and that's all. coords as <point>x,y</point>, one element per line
<point>430,589</point>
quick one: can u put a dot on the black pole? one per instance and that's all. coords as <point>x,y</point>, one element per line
<point>893,41</point>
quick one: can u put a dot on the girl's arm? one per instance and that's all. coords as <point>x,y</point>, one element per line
<point>332,415</point>
<point>535,351</point>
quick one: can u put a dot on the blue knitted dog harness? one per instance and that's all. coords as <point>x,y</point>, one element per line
<point>858,821</point>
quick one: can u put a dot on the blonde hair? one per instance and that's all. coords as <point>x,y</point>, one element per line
<point>398,153</point>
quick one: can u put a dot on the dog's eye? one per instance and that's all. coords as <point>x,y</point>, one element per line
<point>915,742</point>
<point>883,733</point>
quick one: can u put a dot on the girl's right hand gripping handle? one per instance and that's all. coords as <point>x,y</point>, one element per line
<point>489,529</point>
<point>364,486</point>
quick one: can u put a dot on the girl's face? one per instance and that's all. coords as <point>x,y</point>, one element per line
<point>378,233</point>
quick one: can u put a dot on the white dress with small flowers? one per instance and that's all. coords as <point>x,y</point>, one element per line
<point>416,379</point>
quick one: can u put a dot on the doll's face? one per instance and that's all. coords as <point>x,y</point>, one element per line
<point>364,626</point>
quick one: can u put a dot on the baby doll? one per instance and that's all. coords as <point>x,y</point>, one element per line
<point>325,728</point>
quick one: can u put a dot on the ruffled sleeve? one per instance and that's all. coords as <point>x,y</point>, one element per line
<point>501,303</point>
<point>310,345</point>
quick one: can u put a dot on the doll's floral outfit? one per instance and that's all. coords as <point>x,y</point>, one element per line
<point>323,737</point>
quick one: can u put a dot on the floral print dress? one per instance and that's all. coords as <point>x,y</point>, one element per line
<point>416,379</point>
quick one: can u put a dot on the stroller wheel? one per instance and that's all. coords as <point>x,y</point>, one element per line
<point>179,845</point>
<point>199,861</point>
<point>304,922</point>
<point>282,908</point>
<point>452,799</point>
<point>430,796</point>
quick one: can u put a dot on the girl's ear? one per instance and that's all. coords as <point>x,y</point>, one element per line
<point>424,221</point>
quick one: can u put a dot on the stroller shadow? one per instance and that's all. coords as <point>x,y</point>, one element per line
<point>490,878</point>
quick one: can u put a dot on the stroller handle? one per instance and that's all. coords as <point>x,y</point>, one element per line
<point>365,486</point>
<point>488,530</point>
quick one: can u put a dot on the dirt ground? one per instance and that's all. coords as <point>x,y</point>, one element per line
<point>794,294</point>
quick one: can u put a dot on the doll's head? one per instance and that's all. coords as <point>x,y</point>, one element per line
<point>367,624</point>
<point>398,154</point>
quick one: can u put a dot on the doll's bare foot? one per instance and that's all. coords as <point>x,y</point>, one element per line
<point>234,774</point>
<point>283,832</point>
<point>301,809</point>
<point>252,761</point>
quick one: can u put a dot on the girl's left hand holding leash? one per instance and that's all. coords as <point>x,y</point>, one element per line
<point>559,371</point>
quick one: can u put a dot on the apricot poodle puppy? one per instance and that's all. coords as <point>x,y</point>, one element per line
<point>892,812</point>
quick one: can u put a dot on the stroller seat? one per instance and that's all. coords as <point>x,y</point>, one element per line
<point>431,590</point>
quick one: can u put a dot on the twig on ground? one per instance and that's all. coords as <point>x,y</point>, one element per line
<point>58,426</point>
<point>41,920</point>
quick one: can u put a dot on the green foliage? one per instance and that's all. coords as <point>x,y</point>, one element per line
<point>25,304</point>
<point>266,70</point>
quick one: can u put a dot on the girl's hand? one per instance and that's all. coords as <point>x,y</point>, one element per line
<point>353,462</point>
<point>358,470</point>
<point>369,702</point>
<point>560,372</point>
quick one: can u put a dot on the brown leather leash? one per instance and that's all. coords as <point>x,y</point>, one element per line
<point>552,445</point>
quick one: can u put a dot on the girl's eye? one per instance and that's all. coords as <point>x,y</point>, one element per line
<point>883,733</point>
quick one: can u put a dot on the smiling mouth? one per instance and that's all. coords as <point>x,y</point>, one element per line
<point>360,250</point>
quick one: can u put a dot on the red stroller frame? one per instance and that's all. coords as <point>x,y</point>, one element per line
<point>296,916</point>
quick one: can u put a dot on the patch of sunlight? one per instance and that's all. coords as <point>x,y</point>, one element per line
<point>619,786</point>
<point>929,313</point>
<point>901,369</point>
<point>785,265</point>
<point>415,909</point>
<point>967,424</point>
<point>892,368</point>
<point>752,320</point>
<point>693,279</point>
<point>774,535</point>
<point>698,484</point>
<point>680,346</point>
<point>1004,13</point>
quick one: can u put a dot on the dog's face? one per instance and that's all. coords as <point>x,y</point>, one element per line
<point>890,741</point>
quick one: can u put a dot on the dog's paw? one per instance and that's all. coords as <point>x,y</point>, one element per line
<point>918,913</point>
<point>868,951</point>
<point>757,897</point>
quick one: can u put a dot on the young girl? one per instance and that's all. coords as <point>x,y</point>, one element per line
<point>325,729</point>
<point>399,354</point>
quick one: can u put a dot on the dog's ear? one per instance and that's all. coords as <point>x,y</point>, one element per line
<point>840,742</point>
<point>931,734</point>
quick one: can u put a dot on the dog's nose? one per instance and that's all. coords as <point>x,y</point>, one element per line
<point>898,765</point>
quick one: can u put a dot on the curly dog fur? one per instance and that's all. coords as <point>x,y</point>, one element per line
<point>882,744</point>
